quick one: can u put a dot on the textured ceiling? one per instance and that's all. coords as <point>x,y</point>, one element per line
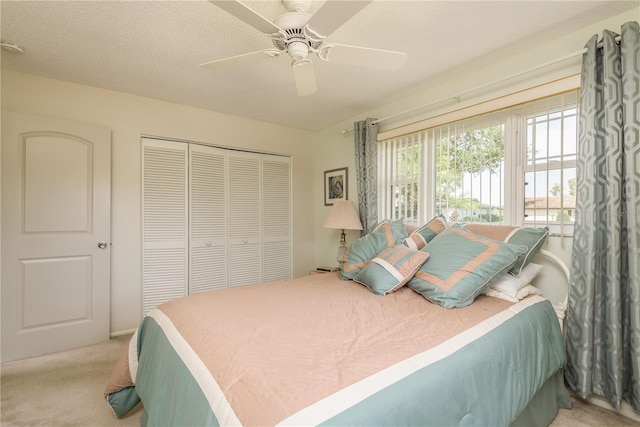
<point>153,48</point>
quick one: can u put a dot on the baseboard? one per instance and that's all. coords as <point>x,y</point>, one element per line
<point>120,333</point>
<point>625,408</point>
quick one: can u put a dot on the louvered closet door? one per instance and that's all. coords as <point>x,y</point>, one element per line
<point>212,218</point>
<point>208,219</point>
<point>165,209</point>
<point>276,218</point>
<point>245,225</point>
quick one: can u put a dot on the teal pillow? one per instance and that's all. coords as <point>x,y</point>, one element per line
<point>462,265</point>
<point>533,239</point>
<point>390,269</point>
<point>384,235</point>
<point>423,235</point>
<point>122,401</point>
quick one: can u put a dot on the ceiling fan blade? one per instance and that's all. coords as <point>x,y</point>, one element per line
<point>241,59</point>
<point>364,56</point>
<point>248,15</point>
<point>304,76</point>
<point>333,14</point>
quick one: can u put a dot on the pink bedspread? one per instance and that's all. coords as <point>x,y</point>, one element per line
<point>275,349</point>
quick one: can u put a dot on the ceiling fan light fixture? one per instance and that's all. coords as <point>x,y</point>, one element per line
<point>298,50</point>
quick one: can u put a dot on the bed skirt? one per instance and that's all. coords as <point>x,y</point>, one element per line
<point>544,406</point>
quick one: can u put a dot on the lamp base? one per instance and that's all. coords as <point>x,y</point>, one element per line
<point>342,249</point>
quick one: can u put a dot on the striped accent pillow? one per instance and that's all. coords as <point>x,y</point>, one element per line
<point>419,238</point>
<point>391,269</point>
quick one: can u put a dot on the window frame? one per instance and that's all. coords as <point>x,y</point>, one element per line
<point>514,168</point>
<point>562,164</point>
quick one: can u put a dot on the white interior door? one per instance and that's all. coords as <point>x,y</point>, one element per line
<point>245,227</point>
<point>165,211</point>
<point>207,218</point>
<point>276,218</point>
<point>56,180</point>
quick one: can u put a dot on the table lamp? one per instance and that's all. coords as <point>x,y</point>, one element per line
<point>343,216</point>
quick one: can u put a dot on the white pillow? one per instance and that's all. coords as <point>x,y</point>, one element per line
<point>510,284</point>
<point>523,292</point>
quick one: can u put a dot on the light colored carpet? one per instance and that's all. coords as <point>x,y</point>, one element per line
<point>65,389</point>
<point>586,414</point>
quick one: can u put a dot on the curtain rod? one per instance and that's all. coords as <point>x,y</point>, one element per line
<point>494,82</point>
<point>484,86</point>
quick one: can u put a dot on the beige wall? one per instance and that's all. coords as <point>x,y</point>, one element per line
<point>129,117</point>
<point>473,75</point>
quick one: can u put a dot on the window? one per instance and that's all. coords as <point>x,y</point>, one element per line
<point>550,161</point>
<point>400,191</point>
<point>512,166</point>
<point>469,169</point>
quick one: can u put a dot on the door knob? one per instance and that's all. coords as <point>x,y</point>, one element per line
<point>102,244</point>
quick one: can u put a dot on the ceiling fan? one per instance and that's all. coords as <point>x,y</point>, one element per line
<point>298,34</point>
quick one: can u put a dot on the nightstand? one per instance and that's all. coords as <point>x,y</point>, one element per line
<point>323,270</point>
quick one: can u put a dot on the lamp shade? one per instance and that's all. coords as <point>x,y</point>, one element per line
<point>343,216</point>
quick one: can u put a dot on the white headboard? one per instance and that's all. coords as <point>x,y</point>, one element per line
<point>553,281</point>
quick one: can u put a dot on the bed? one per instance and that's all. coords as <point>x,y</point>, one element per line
<point>334,349</point>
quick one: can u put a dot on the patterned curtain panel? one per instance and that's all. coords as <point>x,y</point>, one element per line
<point>603,317</point>
<point>366,148</point>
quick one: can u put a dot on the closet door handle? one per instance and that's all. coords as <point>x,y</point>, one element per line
<point>102,244</point>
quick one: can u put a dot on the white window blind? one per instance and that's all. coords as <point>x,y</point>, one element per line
<point>511,166</point>
<point>470,168</point>
<point>402,163</point>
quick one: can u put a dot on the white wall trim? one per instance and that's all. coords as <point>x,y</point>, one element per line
<point>120,333</point>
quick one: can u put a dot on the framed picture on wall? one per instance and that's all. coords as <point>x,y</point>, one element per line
<point>335,185</point>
